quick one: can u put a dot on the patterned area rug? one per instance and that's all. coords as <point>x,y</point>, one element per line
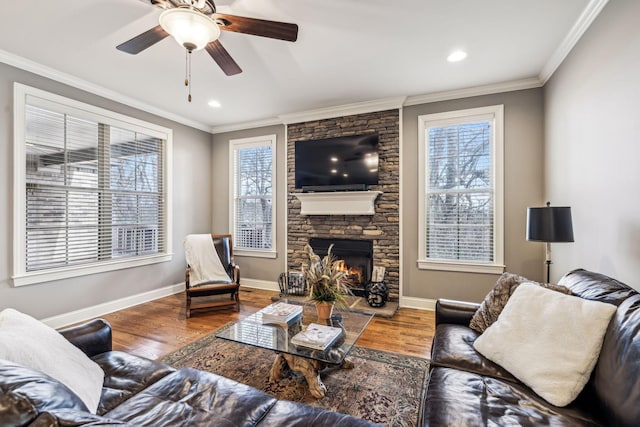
<point>383,387</point>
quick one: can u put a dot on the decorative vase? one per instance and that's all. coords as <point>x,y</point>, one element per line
<point>376,293</point>
<point>324,310</point>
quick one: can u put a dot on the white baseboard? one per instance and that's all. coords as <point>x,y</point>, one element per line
<point>266,285</point>
<point>419,303</point>
<point>111,306</point>
<point>87,313</point>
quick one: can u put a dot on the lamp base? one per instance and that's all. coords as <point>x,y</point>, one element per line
<point>548,262</point>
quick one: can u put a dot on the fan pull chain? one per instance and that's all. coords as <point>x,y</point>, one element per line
<point>187,78</point>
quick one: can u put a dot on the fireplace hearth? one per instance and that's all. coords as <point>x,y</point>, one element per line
<point>356,255</point>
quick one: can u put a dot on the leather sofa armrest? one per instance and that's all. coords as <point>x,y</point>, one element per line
<point>92,338</point>
<point>456,312</point>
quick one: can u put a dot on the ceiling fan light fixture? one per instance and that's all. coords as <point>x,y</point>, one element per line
<point>190,28</point>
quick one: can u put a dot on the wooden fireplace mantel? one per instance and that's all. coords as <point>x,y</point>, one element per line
<point>338,203</point>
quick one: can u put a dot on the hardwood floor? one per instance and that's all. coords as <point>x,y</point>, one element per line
<point>159,327</point>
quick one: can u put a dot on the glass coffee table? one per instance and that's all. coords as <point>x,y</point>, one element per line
<point>252,331</point>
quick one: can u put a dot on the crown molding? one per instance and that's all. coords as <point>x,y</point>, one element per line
<point>245,125</point>
<point>78,83</point>
<point>511,86</point>
<point>318,114</point>
<point>589,14</point>
<point>382,105</point>
<point>344,110</point>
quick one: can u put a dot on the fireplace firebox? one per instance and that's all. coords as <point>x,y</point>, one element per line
<point>357,257</point>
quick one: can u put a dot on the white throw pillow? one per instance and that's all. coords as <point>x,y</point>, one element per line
<point>29,342</point>
<point>548,340</point>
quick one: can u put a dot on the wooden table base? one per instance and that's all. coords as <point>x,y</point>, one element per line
<point>307,367</point>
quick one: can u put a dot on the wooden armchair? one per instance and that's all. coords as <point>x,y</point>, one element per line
<point>224,247</point>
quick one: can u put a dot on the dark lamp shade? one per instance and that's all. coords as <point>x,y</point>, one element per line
<point>549,224</point>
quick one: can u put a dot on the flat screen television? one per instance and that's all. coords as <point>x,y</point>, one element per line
<point>341,163</point>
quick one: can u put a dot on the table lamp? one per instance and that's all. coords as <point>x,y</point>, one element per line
<point>549,224</point>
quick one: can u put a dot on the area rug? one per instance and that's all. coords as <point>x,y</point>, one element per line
<point>384,388</point>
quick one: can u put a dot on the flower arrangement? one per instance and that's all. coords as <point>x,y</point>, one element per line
<point>324,277</point>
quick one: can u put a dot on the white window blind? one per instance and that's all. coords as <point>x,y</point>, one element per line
<point>94,192</point>
<point>462,215</point>
<point>253,193</point>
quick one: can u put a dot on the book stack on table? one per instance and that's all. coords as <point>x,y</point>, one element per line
<point>281,313</point>
<point>317,337</point>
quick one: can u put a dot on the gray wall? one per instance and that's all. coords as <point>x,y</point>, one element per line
<point>191,211</point>
<point>251,267</point>
<point>592,104</point>
<point>523,156</point>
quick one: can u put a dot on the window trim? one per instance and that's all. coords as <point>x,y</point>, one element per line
<point>496,114</point>
<point>79,109</point>
<point>255,141</point>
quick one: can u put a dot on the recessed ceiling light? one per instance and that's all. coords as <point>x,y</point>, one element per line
<point>213,103</point>
<point>456,56</point>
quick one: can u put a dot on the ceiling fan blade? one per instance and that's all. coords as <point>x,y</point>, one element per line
<point>257,27</point>
<point>222,58</point>
<point>143,41</point>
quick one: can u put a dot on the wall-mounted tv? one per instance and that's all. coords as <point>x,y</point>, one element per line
<point>341,163</point>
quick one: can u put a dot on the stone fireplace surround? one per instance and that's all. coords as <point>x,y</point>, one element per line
<point>382,228</point>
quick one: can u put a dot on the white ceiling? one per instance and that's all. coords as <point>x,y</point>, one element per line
<point>348,51</point>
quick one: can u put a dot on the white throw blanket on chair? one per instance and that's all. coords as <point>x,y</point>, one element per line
<point>204,261</point>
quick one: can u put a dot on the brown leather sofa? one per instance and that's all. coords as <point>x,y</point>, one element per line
<point>141,392</point>
<point>466,389</point>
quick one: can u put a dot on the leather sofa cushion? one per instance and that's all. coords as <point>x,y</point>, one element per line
<point>69,418</point>
<point>125,376</point>
<point>453,348</point>
<point>25,392</point>
<point>192,397</point>
<point>463,398</point>
<point>596,286</point>
<point>286,413</point>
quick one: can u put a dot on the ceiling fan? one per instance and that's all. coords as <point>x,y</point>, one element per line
<point>195,24</point>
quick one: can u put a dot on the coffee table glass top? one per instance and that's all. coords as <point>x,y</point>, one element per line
<point>252,331</point>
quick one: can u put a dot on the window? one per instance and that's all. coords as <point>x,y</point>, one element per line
<point>253,191</point>
<point>461,190</point>
<point>90,189</point>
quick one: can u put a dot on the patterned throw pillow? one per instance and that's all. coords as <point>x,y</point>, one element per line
<point>497,298</point>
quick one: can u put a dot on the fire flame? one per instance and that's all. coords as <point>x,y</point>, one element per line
<point>353,274</point>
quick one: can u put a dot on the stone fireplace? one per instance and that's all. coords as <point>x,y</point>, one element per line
<point>380,230</point>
